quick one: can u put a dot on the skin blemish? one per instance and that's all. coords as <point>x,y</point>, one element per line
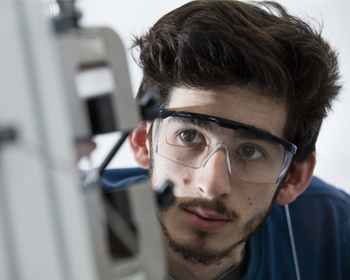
<point>250,202</point>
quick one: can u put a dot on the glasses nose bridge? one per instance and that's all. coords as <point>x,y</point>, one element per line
<point>214,150</point>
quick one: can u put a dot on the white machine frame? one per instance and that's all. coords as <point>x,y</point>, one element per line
<point>50,226</point>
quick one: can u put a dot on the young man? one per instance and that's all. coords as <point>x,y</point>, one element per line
<point>244,90</point>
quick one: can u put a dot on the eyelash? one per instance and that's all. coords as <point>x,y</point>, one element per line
<point>263,153</point>
<point>198,134</point>
<point>179,135</point>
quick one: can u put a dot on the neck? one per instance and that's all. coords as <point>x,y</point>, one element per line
<point>178,268</point>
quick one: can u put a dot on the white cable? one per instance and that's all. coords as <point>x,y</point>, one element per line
<point>289,222</point>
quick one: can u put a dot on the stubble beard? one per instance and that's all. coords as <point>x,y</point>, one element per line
<point>195,250</point>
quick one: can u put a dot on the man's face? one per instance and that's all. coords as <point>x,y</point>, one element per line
<point>214,212</point>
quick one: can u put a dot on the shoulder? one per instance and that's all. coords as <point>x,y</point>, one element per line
<point>322,205</point>
<point>118,178</point>
<point>319,189</point>
<point>322,210</point>
<point>320,224</point>
<point>321,228</point>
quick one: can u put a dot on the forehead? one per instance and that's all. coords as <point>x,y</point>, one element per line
<point>241,104</point>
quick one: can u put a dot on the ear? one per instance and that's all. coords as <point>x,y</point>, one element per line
<point>139,145</point>
<point>297,182</point>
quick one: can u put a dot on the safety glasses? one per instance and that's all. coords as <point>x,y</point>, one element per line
<point>252,154</point>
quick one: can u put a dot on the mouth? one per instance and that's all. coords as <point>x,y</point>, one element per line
<point>207,221</point>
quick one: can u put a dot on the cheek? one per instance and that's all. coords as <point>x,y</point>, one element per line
<point>182,176</point>
<point>253,198</point>
<point>164,169</point>
<point>184,181</point>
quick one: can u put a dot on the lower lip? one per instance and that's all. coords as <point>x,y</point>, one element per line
<point>205,224</point>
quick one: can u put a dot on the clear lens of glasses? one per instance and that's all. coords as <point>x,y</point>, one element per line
<point>251,155</point>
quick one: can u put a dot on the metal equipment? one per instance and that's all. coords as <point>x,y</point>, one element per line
<point>56,82</point>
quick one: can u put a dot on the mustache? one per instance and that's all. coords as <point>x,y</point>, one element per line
<point>211,205</point>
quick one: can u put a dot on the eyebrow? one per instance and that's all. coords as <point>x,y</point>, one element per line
<point>242,132</point>
<point>204,124</point>
<point>247,134</point>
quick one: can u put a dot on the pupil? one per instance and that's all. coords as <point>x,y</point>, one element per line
<point>188,136</point>
<point>248,151</point>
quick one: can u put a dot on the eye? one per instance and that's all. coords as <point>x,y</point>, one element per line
<point>251,152</point>
<point>191,136</point>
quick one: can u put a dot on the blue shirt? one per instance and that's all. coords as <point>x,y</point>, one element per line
<point>320,222</point>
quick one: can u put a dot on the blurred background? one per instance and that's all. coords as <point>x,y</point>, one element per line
<point>132,17</point>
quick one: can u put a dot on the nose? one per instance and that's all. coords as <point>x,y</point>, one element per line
<point>213,179</point>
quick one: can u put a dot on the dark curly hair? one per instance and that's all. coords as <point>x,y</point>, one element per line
<point>207,44</point>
